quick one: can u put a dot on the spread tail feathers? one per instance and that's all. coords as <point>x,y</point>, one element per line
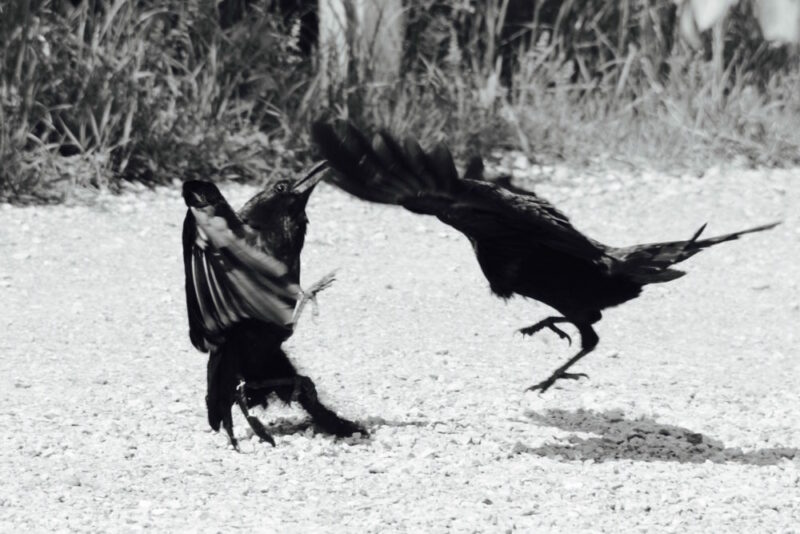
<point>651,263</point>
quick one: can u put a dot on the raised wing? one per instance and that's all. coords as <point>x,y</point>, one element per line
<point>229,280</point>
<point>384,171</point>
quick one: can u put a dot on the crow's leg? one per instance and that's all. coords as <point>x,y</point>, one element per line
<point>589,341</point>
<point>255,424</point>
<point>219,401</point>
<point>550,323</point>
<point>227,424</point>
<point>326,419</point>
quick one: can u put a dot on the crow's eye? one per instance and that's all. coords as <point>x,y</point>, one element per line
<point>281,187</point>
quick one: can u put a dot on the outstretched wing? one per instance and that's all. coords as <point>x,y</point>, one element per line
<point>427,182</point>
<point>228,279</point>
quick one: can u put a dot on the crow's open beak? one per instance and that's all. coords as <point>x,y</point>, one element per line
<point>305,185</point>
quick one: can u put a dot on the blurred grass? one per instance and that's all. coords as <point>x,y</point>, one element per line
<point>157,90</point>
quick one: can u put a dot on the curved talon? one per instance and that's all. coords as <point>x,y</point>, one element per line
<point>562,335</point>
<point>546,323</point>
<point>310,295</point>
<point>259,430</point>
<point>541,385</point>
<point>546,384</point>
<point>252,420</point>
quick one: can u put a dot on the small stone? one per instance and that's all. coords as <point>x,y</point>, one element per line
<point>178,407</point>
<point>430,453</point>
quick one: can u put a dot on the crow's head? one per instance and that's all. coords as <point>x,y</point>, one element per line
<point>278,214</point>
<point>199,194</point>
<point>282,201</point>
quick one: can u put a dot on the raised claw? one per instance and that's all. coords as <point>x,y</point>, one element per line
<point>530,330</point>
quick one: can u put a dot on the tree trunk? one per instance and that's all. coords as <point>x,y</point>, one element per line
<point>360,41</point>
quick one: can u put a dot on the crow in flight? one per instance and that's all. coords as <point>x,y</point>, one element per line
<point>524,245</point>
<point>243,299</point>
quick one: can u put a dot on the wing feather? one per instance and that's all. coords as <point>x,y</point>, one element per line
<point>404,174</point>
<point>229,280</point>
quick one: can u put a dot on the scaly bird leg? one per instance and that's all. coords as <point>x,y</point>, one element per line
<point>310,294</point>
<point>255,424</point>
<point>589,341</point>
<point>550,323</point>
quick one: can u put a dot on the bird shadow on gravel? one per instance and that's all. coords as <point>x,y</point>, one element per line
<point>639,439</point>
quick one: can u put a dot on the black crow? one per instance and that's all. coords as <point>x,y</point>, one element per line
<point>524,245</point>
<point>243,299</point>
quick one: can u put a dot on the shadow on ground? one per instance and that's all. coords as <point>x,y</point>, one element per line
<point>639,439</point>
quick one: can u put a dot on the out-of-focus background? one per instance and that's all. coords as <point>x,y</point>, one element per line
<point>98,92</point>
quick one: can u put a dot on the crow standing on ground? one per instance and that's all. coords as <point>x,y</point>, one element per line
<point>524,245</point>
<point>243,299</point>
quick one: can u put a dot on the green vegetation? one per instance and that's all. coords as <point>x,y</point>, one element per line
<point>156,90</point>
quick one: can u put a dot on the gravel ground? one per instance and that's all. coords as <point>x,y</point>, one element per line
<point>689,421</point>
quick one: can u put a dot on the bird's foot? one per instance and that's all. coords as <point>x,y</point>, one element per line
<point>259,430</point>
<point>347,428</point>
<point>323,283</point>
<point>310,295</point>
<point>545,384</point>
<point>547,323</point>
<point>252,420</point>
